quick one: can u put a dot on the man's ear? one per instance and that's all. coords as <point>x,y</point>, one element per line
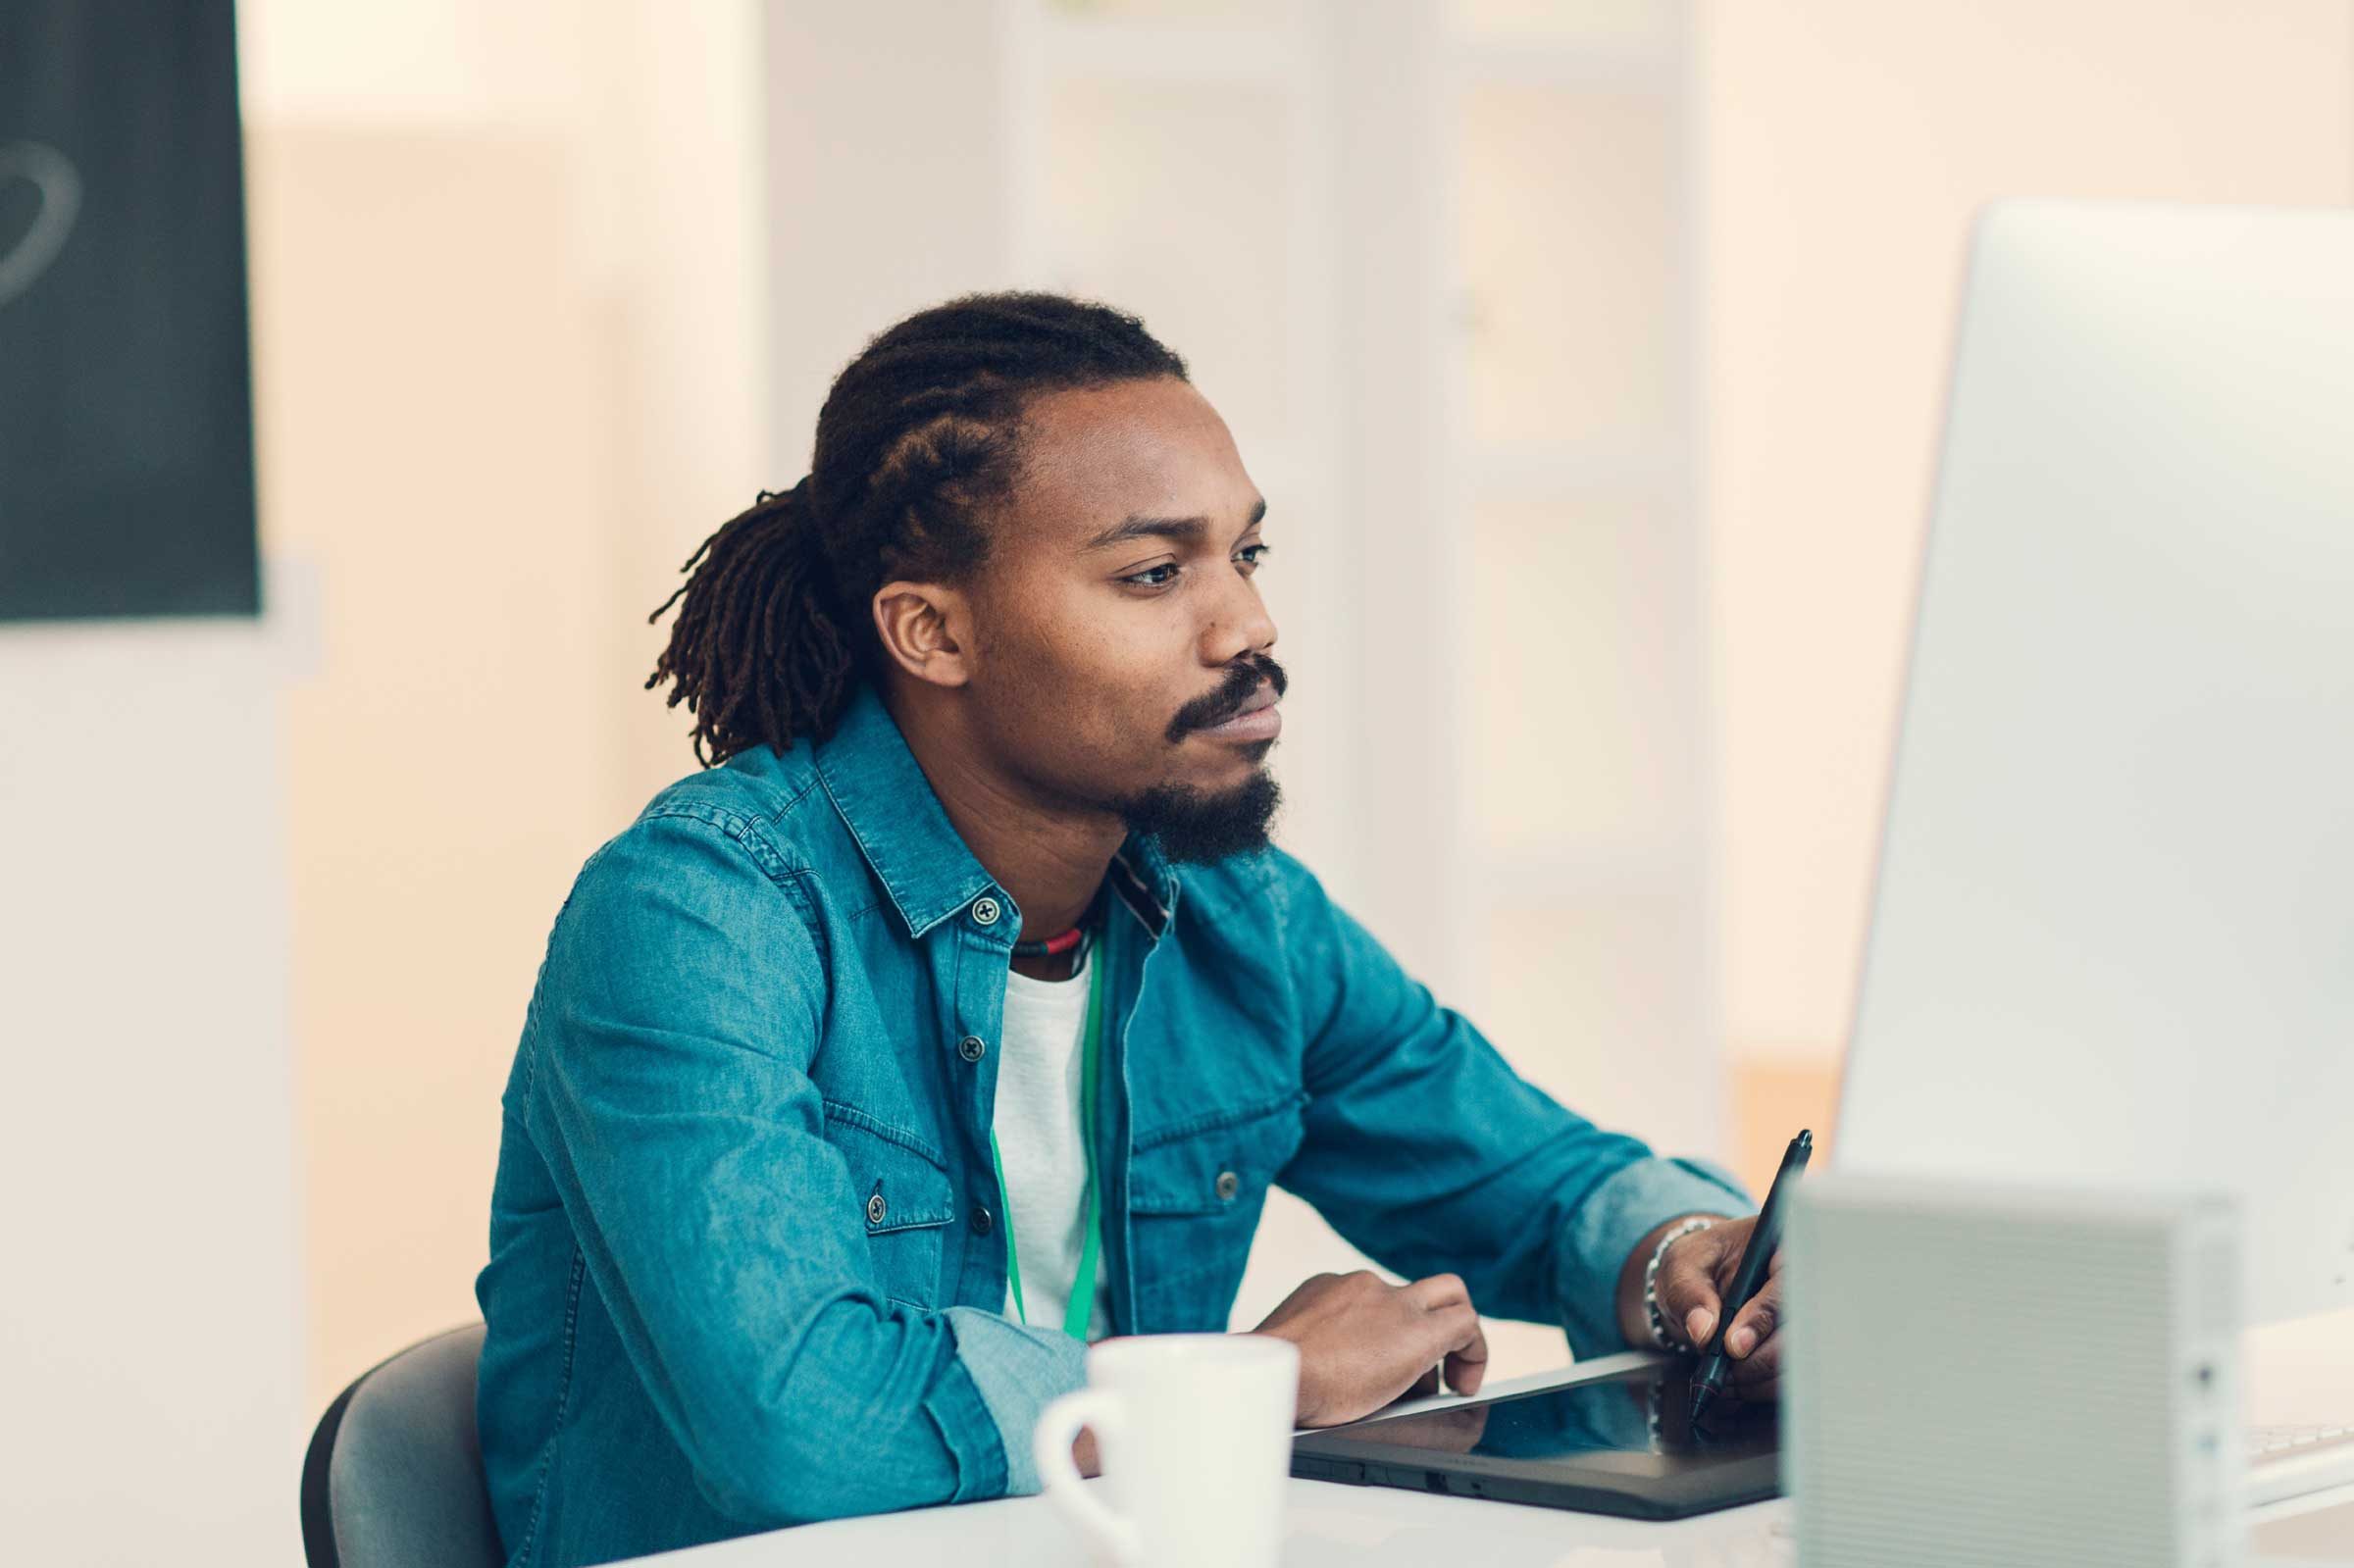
<point>926,629</point>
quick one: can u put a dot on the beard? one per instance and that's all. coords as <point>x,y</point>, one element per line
<point>1194,827</point>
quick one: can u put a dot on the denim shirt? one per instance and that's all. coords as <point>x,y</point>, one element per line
<point>747,1246</point>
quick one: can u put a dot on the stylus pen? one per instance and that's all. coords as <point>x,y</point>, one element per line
<point>1707,1380</point>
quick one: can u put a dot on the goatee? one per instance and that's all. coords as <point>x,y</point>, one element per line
<point>1194,827</point>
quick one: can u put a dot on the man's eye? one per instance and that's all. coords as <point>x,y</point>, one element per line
<point>1250,554</point>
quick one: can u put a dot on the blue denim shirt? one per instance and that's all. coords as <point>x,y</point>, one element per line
<point>745,1262</point>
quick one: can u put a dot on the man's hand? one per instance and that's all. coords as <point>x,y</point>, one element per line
<point>1693,1278</point>
<point>1363,1342</point>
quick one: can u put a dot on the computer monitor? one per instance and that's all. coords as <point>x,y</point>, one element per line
<point>2112,935</point>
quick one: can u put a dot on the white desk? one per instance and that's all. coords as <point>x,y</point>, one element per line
<point>1326,1526</point>
<point>1332,1526</point>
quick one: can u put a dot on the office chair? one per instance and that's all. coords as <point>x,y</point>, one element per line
<point>393,1477</point>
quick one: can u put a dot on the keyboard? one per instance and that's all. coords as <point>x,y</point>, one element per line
<point>2291,1461</point>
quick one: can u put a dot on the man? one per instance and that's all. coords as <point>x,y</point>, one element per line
<point>875,1068</point>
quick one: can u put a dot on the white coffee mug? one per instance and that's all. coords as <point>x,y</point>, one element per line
<point>1194,1435</point>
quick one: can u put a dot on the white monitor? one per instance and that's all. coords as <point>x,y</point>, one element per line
<point>2112,928</point>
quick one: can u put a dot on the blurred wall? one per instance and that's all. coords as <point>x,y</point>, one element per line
<point>507,323</point>
<point>1846,145</point>
<point>151,1325</point>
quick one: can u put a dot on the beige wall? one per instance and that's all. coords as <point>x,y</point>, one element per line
<point>1846,144</point>
<point>456,756</point>
<point>506,329</point>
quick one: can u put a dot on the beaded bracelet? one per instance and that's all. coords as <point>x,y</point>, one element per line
<point>1651,1283</point>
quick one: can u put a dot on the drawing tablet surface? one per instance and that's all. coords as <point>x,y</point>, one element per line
<point>1619,1444</point>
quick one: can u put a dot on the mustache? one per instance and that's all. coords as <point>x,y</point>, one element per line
<point>1241,679</point>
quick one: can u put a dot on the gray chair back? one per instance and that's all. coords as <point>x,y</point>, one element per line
<point>394,1474</point>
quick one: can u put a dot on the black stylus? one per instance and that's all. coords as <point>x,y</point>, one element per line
<point>1708,1379</point>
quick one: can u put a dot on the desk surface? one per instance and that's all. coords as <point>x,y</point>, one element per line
<point>1331,1526</point>
<point>2297,1374</point>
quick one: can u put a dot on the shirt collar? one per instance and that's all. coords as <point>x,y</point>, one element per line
<point>1141,876</point>
<point>900,825</point>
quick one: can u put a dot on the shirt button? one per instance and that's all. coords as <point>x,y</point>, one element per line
<point>1229,1184</point>
<point>972,1048</point>
<point>876,1208</point>
<point>986,910</point>
<point>983,1221</point>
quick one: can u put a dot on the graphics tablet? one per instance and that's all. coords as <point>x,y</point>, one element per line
<point>1619,1443</point>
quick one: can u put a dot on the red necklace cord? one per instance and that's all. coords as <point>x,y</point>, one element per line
<point>1050,946</point>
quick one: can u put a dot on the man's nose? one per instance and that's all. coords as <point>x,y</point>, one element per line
<point>1239,624</point>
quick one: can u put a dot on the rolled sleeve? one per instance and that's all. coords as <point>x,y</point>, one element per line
<point>1016,1372</point>
<point>1611,1219</point>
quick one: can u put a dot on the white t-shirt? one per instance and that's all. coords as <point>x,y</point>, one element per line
<point>1038,1139</point>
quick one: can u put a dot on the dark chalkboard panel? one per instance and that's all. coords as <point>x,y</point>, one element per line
<point>126,410</point>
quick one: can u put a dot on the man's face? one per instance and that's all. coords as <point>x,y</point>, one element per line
<point>1118,621</point>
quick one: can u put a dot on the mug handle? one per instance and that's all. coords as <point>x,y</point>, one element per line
<point>1059,1474</point>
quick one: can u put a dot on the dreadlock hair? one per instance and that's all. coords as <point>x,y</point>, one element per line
<point>917,444</point>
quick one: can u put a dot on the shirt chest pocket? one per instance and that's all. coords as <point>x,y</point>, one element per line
<point>1194,1195</point>
<point>905,1205</point>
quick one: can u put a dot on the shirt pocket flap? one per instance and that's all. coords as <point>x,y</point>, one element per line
<point>902,1185</point>
<point>1215,1164</point>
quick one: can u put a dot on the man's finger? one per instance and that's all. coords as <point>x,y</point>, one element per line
<point>1754,1323</point>
<point>1687,1294</point>
<point>1760,1366</point>
<point>1437,1290</point>
<point>1448,1329</point>
<point>1422,1386</point>
<point>1467,1364</point>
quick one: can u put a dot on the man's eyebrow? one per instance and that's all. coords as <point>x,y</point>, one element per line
<point>1187,528</point>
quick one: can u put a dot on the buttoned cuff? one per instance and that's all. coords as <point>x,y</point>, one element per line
<point>1628,1206</point>
<point>1017,1371</point>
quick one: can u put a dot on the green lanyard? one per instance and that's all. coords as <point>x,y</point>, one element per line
<point>1083,1288</point>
